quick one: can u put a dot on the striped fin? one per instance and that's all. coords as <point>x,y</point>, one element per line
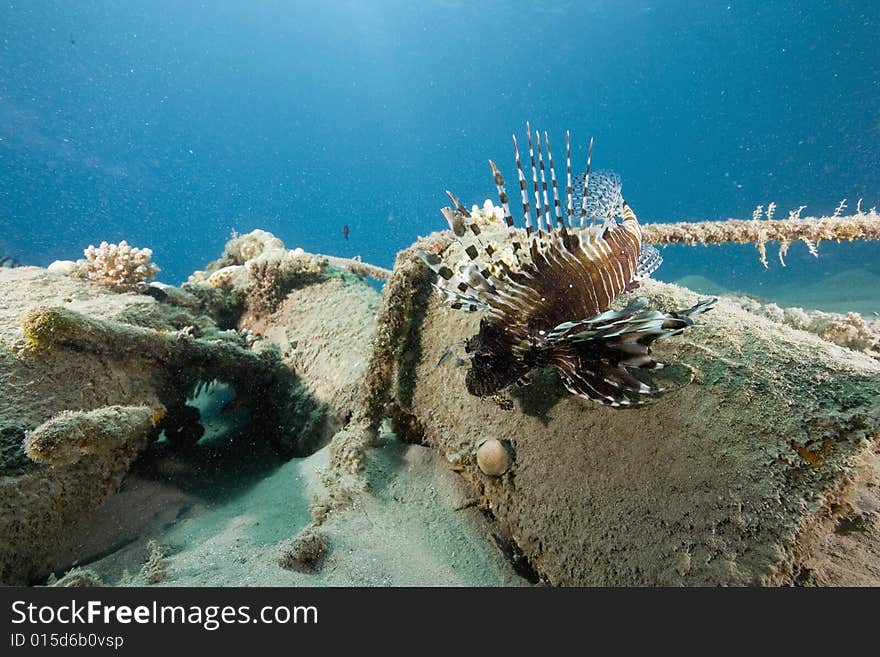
<point>505,204</point>
<point>527,214</point>
<point>465,227</point>
<point>596,357</point>
<point>560,274</point>
<point>539,211</point>
<point>612,386</point>
<point>458,301</point>
<point>633,319</point>
<point>605,200</point>
<point>455,290</point>
<point>560,224</point>
<point>546,202</point>
<point>586,184</point>
<point>649,262</point>
<point>569,192</point>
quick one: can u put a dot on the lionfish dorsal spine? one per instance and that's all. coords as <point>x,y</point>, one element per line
<point>505,206</point>
<point>547,298</point>
<point>569,192</point>
<point>539,210</point>
<point>556,209</point>
<point>586,185</point>
<point>596,262</point>
<point>545,200</point>
<point>527,214</point>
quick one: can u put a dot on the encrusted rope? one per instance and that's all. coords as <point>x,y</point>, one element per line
<point>810,230</point>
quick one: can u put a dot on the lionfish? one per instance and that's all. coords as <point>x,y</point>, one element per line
<point>548,304</point>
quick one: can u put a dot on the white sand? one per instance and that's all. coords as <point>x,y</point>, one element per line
<point>405,532</point>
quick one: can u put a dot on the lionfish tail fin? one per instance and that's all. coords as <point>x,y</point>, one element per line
<point>597,358</point>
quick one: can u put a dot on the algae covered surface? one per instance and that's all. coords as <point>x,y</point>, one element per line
<point>204,436</point>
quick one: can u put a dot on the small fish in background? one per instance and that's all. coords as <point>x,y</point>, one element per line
<point>345,231</point>
<point>8,262</point>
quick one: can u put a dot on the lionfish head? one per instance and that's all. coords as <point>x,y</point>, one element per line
<point>546,289</point>
<point>493,365</point>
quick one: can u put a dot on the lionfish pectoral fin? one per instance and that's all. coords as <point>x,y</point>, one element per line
<point>604,382</point>
<point>634,322</point>
<point>596,358</point>
<point>697,309</point>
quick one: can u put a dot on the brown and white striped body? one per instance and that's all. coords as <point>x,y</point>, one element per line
<point>550,307</point>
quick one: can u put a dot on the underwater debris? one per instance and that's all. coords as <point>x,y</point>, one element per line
<point>357,267</point>
<point>117,266</point>
<point>8,262</point>
<point>761,229</point>
<point>45,328</point>
<point>267,387</point>
<point>588,471</point>
<point>809,230</point>
<point>70,435</point>
<point>547,298</point>
<point>394,323</point>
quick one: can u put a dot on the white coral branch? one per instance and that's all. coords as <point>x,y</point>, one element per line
<point>118,266</point>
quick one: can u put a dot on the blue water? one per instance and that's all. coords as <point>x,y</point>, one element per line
<point>171,123</point>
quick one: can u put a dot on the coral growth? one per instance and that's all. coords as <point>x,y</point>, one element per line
<point>225,278</point>
<point>117,266</point>
<point>43,326</point>
<point>63,267</point>
<point>763,228</point>
<point>242,248</point>
<point>849,330</point>
<point>77,578</point>
<point>257,268</point>
<point>303,552</point>
<point>274,273</point>
<point>156,569</point>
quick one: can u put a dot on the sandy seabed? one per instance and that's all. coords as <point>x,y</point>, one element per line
<point>227,510</point>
